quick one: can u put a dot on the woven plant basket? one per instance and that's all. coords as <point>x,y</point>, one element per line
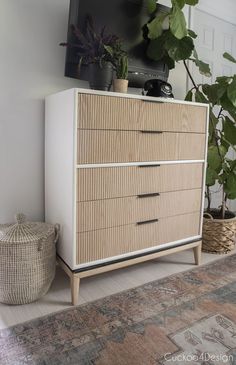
<point>27,260</point>
<point>218,234</point>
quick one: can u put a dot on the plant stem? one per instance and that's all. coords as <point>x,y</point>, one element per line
<point>208,196</point>
<point>221,109</point>
<point>189,74</point>
<point>223,205</point>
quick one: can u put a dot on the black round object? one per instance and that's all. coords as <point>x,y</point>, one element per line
<point>158,88</point>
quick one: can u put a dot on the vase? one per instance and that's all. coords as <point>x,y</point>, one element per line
<point>100,78</point>
<point>120,86</point>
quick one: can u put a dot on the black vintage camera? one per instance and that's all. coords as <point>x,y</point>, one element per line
<point>159,88</point>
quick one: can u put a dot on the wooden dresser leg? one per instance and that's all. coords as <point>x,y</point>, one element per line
<point>197,254</point>
<point>74,282</point>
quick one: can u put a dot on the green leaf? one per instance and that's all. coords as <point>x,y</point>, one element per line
<point>192,34</point>
<point>204,68</point>
<point>228,57</point>
<point>232,164</point>
<point>211,177</point>
<point>200,97</point>
<point>214,92</point>
<point>229,129</point>
<point>169,61</point>
<point>227,105</point>
<point>189,96</point>
<point>214,158</point>
<point>230,185</point>
<point>179,49</point>
<point>231,91</point>
<point>192,2</point>
<point>180,3</point>
<point>109,50</point>
<point>223,79</point>
<point>156,49</point>
<point>155,26</point>
<point>151,6</point>
<point>178,23</point>
<point>225,143</point>
<point>213,121</point>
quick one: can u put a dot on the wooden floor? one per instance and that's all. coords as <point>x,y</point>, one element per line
<point>58,298</point>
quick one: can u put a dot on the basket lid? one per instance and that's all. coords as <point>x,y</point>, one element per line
<point>23,231</point>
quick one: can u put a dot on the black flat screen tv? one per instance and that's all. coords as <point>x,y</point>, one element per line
<point>126,19</point>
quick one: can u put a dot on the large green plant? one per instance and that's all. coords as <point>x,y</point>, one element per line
<point>177,44</point>
<point>221,97</point>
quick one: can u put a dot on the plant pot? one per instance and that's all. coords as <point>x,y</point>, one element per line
<point>120,86</point>
<point>218,234</point>
<point>100,78</point>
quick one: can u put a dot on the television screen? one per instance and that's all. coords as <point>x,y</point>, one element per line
<point>126,19</point>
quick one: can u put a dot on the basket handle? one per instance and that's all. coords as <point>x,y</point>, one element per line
<point>208,215</point>
<point>57,232</point>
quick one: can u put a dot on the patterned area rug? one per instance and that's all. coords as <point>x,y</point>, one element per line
<point>189,318</point>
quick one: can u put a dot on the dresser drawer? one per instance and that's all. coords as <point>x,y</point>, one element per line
<point>105,243</point>
<point>113,182</point>
<point>106,213</point>
<point>106,112</point>
<point>99,146</point>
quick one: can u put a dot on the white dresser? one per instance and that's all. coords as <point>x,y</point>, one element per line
<point>124,177</point>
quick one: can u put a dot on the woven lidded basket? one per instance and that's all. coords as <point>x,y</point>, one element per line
<point>27,260</point>
<point>218,235</point>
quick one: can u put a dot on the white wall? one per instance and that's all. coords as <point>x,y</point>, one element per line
<point>225,10</point>
<point>32,66</point>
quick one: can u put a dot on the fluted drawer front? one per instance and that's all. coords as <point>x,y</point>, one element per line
<point>105,243</point>
<point>113,182</point>
<point>98,146</point>
<point>106,213</point>
<point>105,112</point>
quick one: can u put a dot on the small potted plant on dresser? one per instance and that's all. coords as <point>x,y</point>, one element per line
<point>120,83</point>
<point>119,59</point>
<point>94,49</point>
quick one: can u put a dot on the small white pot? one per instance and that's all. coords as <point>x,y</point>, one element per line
<point>120,86</point>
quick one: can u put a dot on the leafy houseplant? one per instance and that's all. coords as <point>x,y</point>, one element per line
<point>93,48</point>
<point>177,44</point>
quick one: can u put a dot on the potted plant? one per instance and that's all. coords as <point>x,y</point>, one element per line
<point>177,44</point>
<point>93,49</point>
<point>119,59</point>
<point>219,224</point>
<point>120,83</point>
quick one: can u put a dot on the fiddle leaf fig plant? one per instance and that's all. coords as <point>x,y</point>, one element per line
<point>221,168</point>
<point>175,43</point>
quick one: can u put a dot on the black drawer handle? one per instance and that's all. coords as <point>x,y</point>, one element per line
<point>147,222</point>
<point>148,195</point>
<point>153,101</point>
<point>156,165</point>
<point>151,132</point>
